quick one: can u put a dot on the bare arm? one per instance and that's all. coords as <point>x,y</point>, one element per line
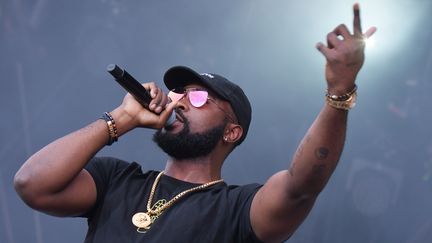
<point>53,179</point>
<point>284,201</point>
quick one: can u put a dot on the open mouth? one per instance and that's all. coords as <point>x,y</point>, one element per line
<point>180,117</point>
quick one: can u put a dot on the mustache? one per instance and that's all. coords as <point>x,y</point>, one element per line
<point>179,112</point>
<point>181,117</point>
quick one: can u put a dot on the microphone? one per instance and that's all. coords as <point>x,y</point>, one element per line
<point>134,87</point>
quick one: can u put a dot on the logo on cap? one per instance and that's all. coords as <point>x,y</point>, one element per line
<point>207,75</point>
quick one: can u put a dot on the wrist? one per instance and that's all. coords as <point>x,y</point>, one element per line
<point>344,101</point>
<point>341,97</point>
<point>340,89</point>
<point>112,128</point>
<point>124,121</point>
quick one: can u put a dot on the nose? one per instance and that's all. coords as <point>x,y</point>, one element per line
<point>182,104</point>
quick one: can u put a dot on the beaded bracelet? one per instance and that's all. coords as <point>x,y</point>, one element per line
<point>343,97</point>
<point>112,129</point>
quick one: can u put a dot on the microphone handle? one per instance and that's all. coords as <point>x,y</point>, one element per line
<point>130,84</point>
<point>134,87</point>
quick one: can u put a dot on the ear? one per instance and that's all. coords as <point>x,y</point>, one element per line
<point>233,132</point>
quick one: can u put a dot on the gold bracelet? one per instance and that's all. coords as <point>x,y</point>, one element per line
<point>112,129</point>
<point>343,105</point>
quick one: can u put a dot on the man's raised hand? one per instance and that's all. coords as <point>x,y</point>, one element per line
<point>344,54</point>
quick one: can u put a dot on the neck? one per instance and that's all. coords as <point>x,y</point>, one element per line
<point>199,171</point>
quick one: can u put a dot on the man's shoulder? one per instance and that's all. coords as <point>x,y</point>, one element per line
<point>245,187</point>
<point>107,161</point>
<point>113,167</point>
<point>236,192</point>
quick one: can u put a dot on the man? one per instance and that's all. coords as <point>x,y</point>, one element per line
<point>188,201</point>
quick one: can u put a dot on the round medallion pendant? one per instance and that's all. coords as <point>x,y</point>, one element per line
<point>141,220</point>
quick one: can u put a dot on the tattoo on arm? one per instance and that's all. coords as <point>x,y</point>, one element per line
<point>319,169</point>
<point>322,153</point>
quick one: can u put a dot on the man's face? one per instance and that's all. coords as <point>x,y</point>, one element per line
<point>197,130</point>
<point>188,145</point>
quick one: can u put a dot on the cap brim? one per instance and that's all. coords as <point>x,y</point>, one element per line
<point>180,76</point>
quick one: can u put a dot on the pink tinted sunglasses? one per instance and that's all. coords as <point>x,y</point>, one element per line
<point>197,98</point>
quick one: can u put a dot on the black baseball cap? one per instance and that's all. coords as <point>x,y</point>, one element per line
<point>180,76</point>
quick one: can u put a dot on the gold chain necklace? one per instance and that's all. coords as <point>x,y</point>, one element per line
<point>143,221</point>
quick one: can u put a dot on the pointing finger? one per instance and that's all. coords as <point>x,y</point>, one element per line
<point>357,22</point>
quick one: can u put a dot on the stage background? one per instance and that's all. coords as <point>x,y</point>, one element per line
<point>53,58</point>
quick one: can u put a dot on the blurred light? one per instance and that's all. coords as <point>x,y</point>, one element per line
<point>374,187</point>
<point>370,42</point>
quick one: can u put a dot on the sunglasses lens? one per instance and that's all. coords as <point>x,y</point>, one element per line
<point>198,97</point>
<point>175,96</point>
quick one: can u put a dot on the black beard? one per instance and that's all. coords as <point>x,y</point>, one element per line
<point>185,145</point>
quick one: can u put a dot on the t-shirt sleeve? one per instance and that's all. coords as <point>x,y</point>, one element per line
<point>242,199</point>
<point>102,170</point>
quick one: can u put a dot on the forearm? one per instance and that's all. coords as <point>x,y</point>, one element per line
<point>53,167</point>
<point>319,152</point>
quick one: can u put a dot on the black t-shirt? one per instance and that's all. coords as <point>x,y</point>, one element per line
<point>219,213</point>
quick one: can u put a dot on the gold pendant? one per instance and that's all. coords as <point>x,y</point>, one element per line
<point>142,221</point>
